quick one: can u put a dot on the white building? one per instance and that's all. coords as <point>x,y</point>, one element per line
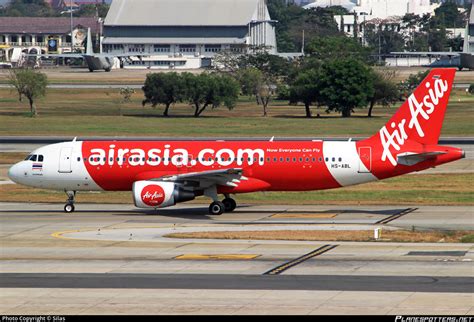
<point>348,4</point>
<point>380,8</point>
<point>186,33</point>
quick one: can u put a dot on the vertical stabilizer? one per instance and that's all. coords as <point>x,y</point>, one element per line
<point>89,50</point>
<point>465,48</point>
<point>421,117</point>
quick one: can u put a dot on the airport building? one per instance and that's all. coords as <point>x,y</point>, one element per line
<point>186,34</point>
<point>43,35</point>
<point>469,43</point>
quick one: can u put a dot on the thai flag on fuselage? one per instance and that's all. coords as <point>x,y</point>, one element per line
<point>37,167</point>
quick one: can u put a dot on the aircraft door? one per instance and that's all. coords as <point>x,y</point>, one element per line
<point>65,160</point>
<point>365,159</point>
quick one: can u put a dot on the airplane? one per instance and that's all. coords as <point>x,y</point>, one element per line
<point>93,60</point>
<point>459,59</point>
<point>456,59</point>
<point>163,173</point>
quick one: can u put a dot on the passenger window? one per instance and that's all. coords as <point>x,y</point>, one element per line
<point>340,159</point>
<point>78,159</point>
<point>333,159</point>
<point>327,159</point>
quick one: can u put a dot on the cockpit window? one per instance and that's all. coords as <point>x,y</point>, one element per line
<point>35,157</point>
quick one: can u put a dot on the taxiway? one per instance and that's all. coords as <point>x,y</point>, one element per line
<point>116,259</point>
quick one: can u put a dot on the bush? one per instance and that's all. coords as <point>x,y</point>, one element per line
<point>471,89</point>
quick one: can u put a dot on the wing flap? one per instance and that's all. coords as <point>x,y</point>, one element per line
<point>225,177</point>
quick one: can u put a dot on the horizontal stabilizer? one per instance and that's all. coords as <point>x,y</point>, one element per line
<point>411,158</point>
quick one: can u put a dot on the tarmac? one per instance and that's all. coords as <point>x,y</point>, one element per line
<point>115,259</point>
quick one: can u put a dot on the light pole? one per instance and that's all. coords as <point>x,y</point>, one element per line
<point>72,26</point>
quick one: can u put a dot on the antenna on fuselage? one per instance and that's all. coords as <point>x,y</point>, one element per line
<point>74,140</point>
<point>271,140</point>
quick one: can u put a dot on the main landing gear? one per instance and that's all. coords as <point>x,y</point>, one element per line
<point>69,207</point>
<point>219,207</point>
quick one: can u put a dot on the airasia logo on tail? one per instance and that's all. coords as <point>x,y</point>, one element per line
<point>153,195</point>
<point>396,136</point>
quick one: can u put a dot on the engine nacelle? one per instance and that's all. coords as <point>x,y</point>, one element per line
<point>158,194</point>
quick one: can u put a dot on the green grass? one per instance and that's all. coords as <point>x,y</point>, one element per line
<point>468,239</point>
<point>98,112</point>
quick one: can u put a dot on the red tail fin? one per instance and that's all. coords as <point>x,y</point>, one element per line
<point>421,117</point>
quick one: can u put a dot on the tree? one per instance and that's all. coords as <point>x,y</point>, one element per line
<point>448,16</point>
<point>213,90</point>
<point>385,92</point>
<point>306,89</point>
<point>345,85</point>
<point>93,10</point>
<point>29,83</point>
<point>28,8</point>
<point>293,19</point>
<point>385,40</point>
<point>250,80</point>
<point>163,88</point>
<point>268,64</point>
<point>411,83</point>
<point>336,47</point>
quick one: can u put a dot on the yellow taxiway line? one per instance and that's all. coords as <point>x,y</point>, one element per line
<point>217,256</point>
<point>304,216</point>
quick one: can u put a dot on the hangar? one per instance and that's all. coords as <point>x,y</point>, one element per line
<point>186,33</point>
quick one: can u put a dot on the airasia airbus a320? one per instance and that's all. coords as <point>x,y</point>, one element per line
<point>163,173</point>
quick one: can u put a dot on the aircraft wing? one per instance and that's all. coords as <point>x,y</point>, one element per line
<point>56,55</point>
<point>411,158</point>
<point>225,177</point>
<point>426,53</point>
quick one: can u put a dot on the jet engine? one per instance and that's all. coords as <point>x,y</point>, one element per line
<point>157,194</point>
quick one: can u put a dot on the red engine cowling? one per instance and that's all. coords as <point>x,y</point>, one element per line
<point>157,194</point>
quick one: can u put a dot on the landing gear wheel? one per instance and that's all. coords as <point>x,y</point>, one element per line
<point>229,204</point>
<point>69,208</point>
<point>216,208</point>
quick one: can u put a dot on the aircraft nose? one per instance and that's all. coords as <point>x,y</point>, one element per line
<point>15,173</point>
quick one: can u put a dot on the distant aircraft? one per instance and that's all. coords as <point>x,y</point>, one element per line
<point>458,59</point>
<point>163,173</point>
<point>94,61</point>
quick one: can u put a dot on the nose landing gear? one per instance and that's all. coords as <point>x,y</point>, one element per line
<point>69,207</point>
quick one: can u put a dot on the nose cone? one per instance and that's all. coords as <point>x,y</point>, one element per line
<point>15,173</point>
